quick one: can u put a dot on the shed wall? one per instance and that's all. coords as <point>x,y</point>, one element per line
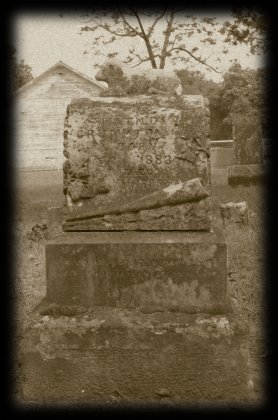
<point>39,118</point>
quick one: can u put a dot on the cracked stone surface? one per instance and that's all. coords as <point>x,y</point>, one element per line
<point>125,151</point>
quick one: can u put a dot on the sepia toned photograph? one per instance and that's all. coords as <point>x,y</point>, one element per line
<point>140,158</point>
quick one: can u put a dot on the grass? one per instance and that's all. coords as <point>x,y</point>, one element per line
<point>246,282</point>
<point>245,247</point>
<point>245,255</point>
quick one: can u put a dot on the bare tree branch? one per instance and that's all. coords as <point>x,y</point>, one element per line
<point>108,29</point>
<point>166,40</point>
<point>133,22</point>
<point>193,56</point>
<point>150,31</point>
<point>130,27</point>
<point>144,60</point>
<point>146,39</point>
<point>140,62</point>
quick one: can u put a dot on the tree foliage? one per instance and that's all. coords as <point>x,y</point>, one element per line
<point>249,27</point>
<point>191,81</point>
<point>194,83</point>
<point>155,45</point>
<point>21,72</point>
<point>242,92</point>
<point>167,34</point>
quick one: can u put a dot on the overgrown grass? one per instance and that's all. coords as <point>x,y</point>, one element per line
<point>245,248</point>
<point>32,202</point>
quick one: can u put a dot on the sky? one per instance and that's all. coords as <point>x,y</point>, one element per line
<point>42,40</point>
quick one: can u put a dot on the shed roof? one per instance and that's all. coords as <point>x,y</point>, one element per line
<point>48,71</point>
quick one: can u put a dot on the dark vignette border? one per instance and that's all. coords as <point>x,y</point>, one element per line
<point>7,206</point>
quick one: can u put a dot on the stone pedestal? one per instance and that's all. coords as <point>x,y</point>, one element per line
<point>116,356</point>
<point>179,271</point>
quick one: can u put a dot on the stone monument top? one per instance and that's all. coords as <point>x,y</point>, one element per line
<point>123,80</point>
<point>137,159</point>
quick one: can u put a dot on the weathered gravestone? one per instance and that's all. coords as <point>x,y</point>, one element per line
<point>246,174</point>
<point>139,165</point>
<point>248,151</point>
<point>247,136</point>
<point>138,256</point>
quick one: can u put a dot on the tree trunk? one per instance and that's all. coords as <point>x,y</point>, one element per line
<point>150,52</point>
<point>163,55</point>
<point>146,40</point>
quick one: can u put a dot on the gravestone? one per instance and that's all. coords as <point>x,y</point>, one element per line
<point>248,151</point>
<point>137,164</point>
<point>222,156</point>
<point>247,135</point>
<point>246,174</point>
<point>136,167</point>
<point>137,282</point>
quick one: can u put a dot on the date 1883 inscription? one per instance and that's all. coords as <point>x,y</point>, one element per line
<point>142,144</point>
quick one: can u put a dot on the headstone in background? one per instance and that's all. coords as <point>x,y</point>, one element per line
<point>246,174</point>
<point>221,157</point>
<point>247,136</point>
<point>248,150</point>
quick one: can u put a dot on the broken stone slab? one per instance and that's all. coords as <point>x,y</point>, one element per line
<point>246,174</point>
<point>188,216</point>
<point>235,212</point>
<point>125,151</point>
<point>179,271</point>
<point>176,207</point>
<point>180,193</point>
<point>116,356</point>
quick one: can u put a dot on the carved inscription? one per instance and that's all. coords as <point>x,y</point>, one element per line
<point>141,139</point>
<point>119,150</point>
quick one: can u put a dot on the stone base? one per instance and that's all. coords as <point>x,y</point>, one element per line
<point>150,271</point>
<point>246,174</point>
<point>113,356</point>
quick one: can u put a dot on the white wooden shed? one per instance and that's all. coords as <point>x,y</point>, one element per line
<point>39,113</point>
